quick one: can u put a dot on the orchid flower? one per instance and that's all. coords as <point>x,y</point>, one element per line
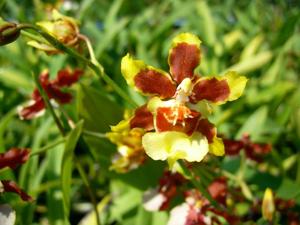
<point>175,117</point>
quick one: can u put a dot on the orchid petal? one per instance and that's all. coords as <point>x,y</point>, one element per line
<point>147,79</point>
<point>184,56</point>
<point>175,145</point>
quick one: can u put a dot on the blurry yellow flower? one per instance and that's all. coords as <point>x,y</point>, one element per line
<point>129,144</point>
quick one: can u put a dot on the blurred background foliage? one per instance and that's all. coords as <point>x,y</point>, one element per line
<point>260,39</point>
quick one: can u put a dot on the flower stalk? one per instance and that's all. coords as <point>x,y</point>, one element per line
<point>48,104</point>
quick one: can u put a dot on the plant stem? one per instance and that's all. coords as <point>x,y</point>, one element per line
<point>197,184</point>
<point>90,48</point>
<point>45,148</point>
<point>96,67</point>
<point>48,104</point>
<point>89,189</point>
<point>94,134</point>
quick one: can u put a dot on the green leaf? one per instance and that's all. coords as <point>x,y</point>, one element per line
<point>208,23</point>
<point>255,123</point>
<point>67,165</point>
<point>98,111</point>
<point>252,63</point>
<point>4,121</point>
<point>15,79</point>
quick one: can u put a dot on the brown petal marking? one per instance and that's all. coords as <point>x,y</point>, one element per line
<point>184,58</point>
<point>153,82</point>
<point>213,90</point>
<point>207,129</point>
<point>142,118</point>
<point>11,186</point>
<point>184,121</point>
<point>14,157</point>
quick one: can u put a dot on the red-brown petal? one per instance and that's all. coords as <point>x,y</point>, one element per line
<point>142,118</point>
<point>14,157</point>
<point>232,147</point>
<point>256,151</point>
<point>61,97</point>
<point>32,110</point>
<point>207,129</point>
<point>67,78</point>
<point>44,79</point>
<point>183,60</point>
<point>153,82</point>
<point>183,123</point>
<point>213,90</point>
<point>218,190</point>
<point>11,186</point>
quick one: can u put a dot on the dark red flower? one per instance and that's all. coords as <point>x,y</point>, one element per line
<point>254,151</point>
<point>14,157</point>
<point>218,190</point>
<point>11,186</point>
<point>53,88</point>
<point>160,198</point>
<point>197,210</point>
<point>168,186</point>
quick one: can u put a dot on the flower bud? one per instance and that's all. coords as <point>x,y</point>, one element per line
<point>63,28</point>
<point>268,206</point>
<point>9,32</point>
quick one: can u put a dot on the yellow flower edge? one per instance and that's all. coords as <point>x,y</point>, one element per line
<point>217,147</point>
<point>188,38</point>
<point>237,84</point>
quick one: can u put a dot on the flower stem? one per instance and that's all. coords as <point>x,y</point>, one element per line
<point>95,66</point>
<point>62,131</point>
<point>94,134</point>
<point>197,184</point>
<point>90,48</point>
<point>45,148</point>
<point>89,189</point>
<point>48,104</point>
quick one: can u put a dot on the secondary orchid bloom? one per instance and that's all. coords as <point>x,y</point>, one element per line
<point>197,210</point>
<point>63,28</point>
<point>253,151</point>
<point>131,153</point>
<point>180,103</point>
<point>159,198</point>
<point>53,88</point>
<point>13,158</point>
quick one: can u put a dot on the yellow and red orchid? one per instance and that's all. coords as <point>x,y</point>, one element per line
<point>175,118</point>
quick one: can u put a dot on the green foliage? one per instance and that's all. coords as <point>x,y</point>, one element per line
<point>67,166</point>
<point>259,39</point>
